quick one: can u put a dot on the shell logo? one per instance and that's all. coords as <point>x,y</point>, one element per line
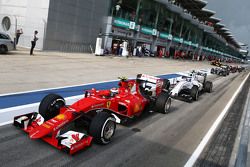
<point>137,108</point>
<point>60,117</point>
<point>46,126</point>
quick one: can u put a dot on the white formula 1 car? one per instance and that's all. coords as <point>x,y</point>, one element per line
<point>192,85</point>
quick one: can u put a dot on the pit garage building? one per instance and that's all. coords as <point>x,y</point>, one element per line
<point>170,26</point>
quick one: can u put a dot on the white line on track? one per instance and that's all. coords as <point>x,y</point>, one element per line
<point>6,115</point>
<point>38,90</point>
<point>68,99</point>
<point>211,131</point>
<point>5,123</point>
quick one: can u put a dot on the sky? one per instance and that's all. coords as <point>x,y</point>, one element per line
<point>235,14</point>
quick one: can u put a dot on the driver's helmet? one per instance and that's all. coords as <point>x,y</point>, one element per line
<point>113,91</point>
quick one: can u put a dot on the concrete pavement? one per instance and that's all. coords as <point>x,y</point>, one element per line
<point>22,72</point>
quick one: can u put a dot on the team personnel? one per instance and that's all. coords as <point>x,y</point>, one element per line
<point>33,42</point>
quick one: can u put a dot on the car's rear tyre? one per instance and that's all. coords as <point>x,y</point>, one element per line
<point>102,127</point>
<point>194,93</point>
<point>208,86</point>
<point>163,103</point>
<point>212,71</point>
<point>3,49</point>
<point>50,106</point>
<point>166,84</point>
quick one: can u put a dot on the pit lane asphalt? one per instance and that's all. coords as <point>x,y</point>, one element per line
<point>152,140</point>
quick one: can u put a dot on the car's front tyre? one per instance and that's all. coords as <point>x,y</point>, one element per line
<point>102,127</point>
<point>50,106</point>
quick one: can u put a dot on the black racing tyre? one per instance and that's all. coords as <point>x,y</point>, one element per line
<point>166,84</point>
<point>163,103</point>
<point>224,73</point>
<point>3,49</point>
<point>50,106</point>
<point>194,93</point>
<point>102,127</point>
<point>212,71</point>
<point>208,87</point>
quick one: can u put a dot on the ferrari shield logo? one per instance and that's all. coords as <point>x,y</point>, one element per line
<point>108,104</point>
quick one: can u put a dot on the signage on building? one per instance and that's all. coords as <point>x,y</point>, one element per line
<point>145,37</point>
<point>176,39</point>
<point>166,36</point>
<point>131,25</point>
<point>154,32</point>
<point>181,40</point>
<point>137,28</point>
<point>195,45</point>
<point>121,32</point>
<point>148,31</point>
<point>187,42</point>
<point>124,23</point>
<point>170,37</point>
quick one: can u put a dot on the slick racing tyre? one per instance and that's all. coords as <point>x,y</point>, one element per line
<point>212,71</point>
<point>208,86</point>
<point>194,93</point>
<point>163,103</point>
<point>50,106</point>
<point>102,127</point>
<point>166,84</point>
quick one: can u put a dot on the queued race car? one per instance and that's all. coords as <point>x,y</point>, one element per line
<point>234,69</point>
<point>223,70</point>
<point>191,86</point>
<point>241,69</point>
<point>216,63</point>
<point>96,114</point>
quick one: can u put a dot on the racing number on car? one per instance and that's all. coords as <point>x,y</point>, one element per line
<point>108,104</point>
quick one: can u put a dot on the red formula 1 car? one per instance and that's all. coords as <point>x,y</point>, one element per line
<point>96,114</point>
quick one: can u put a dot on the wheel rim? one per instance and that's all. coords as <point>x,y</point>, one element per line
<point>196,95</point>
<point>109,130</point>
<point>167,105</point>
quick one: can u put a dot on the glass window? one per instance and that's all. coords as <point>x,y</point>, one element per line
<point>185,30</point>
<point>2,36</point>
<point>6,23</point>
<point>164,20</point>
<point>125,9</point>
<point>147,13</point>
<point>177,25</point>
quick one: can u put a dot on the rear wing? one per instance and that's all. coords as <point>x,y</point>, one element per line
<point>148,78</point>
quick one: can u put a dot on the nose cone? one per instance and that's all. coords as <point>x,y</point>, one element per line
<point>39,132</point>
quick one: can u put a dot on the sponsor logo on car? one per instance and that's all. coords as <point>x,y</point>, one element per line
<point>46,125</point>
<point>97,105</point>
<point>60,117</point>
<point>108,104</point>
